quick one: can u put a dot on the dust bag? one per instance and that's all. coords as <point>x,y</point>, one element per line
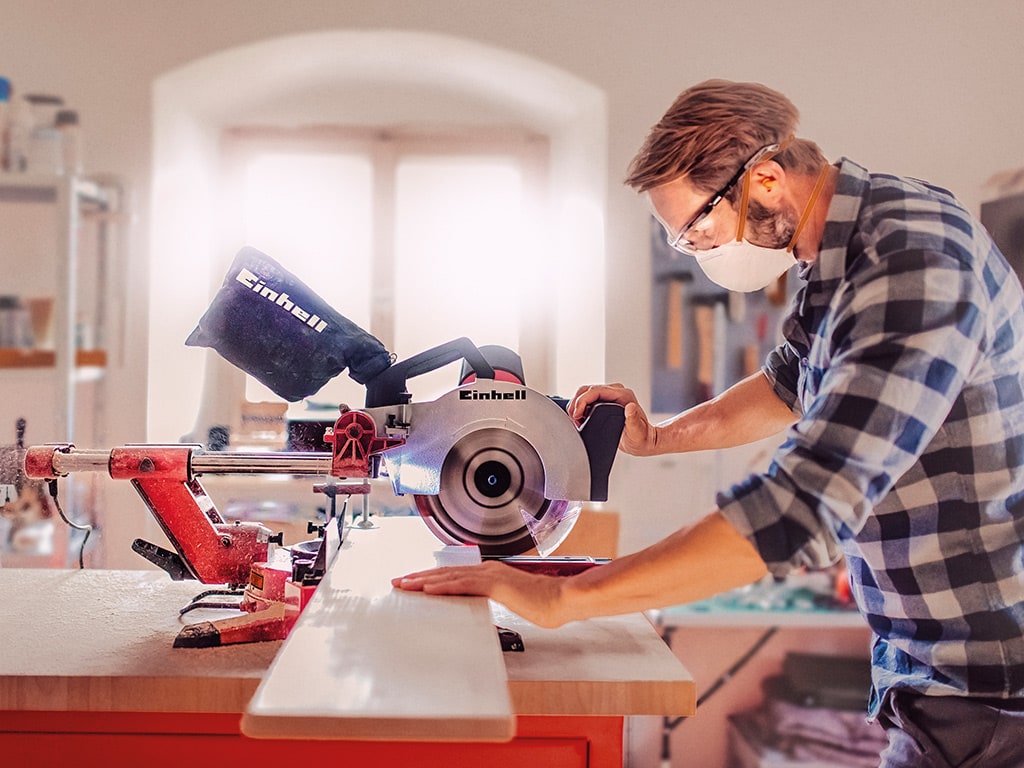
<point>270,324</point>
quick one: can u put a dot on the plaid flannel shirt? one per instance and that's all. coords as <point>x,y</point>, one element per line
<point>904,359</point>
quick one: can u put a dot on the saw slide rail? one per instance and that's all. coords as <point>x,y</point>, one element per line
<point>209,548</point>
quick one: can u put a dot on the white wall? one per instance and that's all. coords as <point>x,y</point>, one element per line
<point>929,89</point>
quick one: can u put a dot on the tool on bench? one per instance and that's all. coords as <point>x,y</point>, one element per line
<point>709,321</point>
<point>491,463</point>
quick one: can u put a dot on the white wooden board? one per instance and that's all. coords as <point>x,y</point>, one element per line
<point>366,661</point>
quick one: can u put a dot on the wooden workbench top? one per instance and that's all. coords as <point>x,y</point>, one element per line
<point>102,641</point>
<point>99,640</point>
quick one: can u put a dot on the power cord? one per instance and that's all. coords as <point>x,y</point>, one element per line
<point>669,724</point>
<point>52,487</point>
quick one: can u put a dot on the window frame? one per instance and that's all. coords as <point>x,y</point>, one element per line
<point>385,147</point>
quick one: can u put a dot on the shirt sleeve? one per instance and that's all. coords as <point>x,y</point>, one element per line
<point>782,369</point>
<point>881,379</point>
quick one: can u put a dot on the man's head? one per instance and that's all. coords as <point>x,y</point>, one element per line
<point>712,129</point>
<point>731,185</point>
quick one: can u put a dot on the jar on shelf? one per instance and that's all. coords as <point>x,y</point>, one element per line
<point>19,134</point>
<point>70,141</point>
<point>15,324</point>
<point>45,154</point>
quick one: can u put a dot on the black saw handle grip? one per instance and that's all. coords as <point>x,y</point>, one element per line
<point>600,434</point>
<point>390,386</point>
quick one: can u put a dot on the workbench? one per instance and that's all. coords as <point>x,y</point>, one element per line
<point>88,674</point>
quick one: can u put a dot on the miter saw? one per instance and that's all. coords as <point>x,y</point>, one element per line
<point>491,463</point>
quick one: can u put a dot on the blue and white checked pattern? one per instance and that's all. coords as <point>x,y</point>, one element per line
<point>904,357</point>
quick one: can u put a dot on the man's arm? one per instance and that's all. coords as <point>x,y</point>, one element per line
<point>746,412</point>
<point>692,564</point>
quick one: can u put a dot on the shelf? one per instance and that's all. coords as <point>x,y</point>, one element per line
<point>687,616</point>
<point>83,264</point>
<point>31,187</point>
<point>47,358</point>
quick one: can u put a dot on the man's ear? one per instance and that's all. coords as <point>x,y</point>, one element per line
<point>767,180</point>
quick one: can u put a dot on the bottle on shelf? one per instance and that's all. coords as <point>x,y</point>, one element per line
<point>19,133</point>
<point>70,140</point>
<point>45,154</point>
<point>5,116</point>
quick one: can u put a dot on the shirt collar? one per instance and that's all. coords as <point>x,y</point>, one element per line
<point>843,211</point>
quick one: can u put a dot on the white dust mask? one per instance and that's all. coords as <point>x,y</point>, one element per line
<point>744,267</point>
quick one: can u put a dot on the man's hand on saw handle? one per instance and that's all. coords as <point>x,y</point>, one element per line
<point>639,436</point>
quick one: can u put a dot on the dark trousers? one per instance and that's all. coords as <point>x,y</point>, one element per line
<point>945,731</point>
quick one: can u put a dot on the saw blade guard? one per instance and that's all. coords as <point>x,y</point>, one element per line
<point>491,494</point>
<point>550,530</point>
<point>492,463</point>
<point>498,465</point>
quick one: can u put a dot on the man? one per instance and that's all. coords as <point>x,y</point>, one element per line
<point>901,385</point>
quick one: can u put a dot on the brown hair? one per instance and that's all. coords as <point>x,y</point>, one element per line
<point>712,129</point>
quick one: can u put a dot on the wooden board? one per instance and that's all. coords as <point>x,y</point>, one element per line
<point>616,665</point>
<point>366,661</point>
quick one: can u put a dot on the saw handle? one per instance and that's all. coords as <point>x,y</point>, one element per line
<point>390,386</point>
<point>600,434</point>
<point>507,365</point>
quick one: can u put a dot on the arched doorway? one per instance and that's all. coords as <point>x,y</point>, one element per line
<point>381,78</point>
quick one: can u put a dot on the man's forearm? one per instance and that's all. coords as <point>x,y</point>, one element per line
<point>692,564</point>
<point>746,412</point>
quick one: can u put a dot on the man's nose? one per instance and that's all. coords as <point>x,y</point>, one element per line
<point>718,228</point>
<point>702,236</point>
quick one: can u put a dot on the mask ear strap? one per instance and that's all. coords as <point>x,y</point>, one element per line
<point>744,197</point>
<point>806,215</point>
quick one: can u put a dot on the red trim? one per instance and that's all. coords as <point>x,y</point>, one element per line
<point>174,740</point>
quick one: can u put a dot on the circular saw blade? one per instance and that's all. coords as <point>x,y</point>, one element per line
<point>490,480</point>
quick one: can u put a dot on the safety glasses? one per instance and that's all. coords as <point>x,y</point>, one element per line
<point>677,240</point>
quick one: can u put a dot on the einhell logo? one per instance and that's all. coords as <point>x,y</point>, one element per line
<point>476,394</point>
<point>256,285</point>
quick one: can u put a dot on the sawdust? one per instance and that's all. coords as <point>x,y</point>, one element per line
<point>11,459</point>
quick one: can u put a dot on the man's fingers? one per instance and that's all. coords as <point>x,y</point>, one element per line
<point>411,577</point>
<point>588,395</point>
<point>451,580</point>
<point>532,596</point>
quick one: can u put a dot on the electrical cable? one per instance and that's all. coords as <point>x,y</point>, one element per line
<point>52,486</point>
<point>669,724</point>
<point>740,663</point>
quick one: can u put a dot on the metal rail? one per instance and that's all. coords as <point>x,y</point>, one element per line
<point>214,463</point>
<point>282,463</point>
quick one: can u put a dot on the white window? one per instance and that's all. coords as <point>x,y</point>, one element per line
<point>417,239</point>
